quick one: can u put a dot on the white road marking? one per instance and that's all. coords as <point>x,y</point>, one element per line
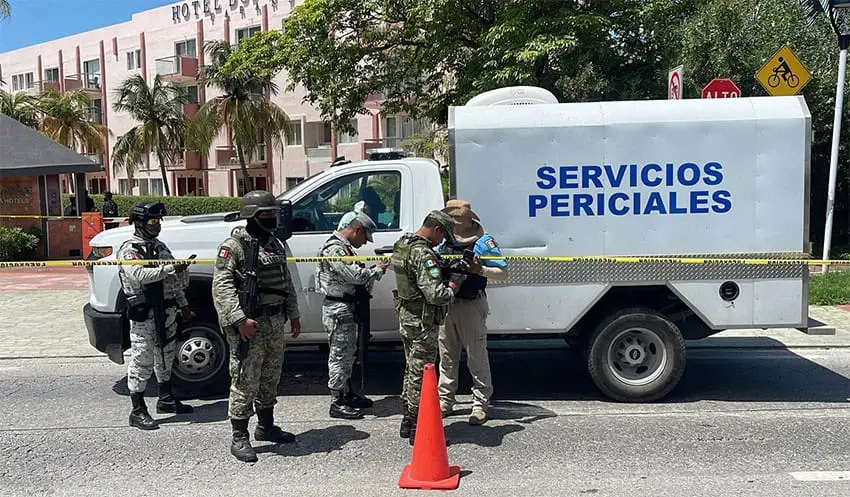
<point>821,475</point>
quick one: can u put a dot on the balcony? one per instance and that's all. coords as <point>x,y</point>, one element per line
<point>48,85</point>
<point>227,156</point>
<point>96,158</point>
<point>188,161</point>
<point>178,68</point>
<point>319,156</point>
<point>90,83</point>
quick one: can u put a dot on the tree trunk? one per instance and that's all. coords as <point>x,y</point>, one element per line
<point>244,169</point>
<point>163,173</point>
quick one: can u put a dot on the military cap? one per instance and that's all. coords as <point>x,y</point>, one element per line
<point>364,220</point>
<point>445,221</point>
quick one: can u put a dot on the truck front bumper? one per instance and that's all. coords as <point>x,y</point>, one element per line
<point>106,332</point>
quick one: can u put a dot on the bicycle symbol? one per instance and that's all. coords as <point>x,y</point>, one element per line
<point>791,79</point>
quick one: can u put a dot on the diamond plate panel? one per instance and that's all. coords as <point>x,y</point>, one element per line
<point>525,272</point>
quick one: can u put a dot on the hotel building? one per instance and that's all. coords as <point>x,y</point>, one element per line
<point>169,41</point>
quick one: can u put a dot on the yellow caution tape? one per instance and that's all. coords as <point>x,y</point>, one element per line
<point>368,258</point>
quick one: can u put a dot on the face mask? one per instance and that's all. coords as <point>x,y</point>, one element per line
<point>148,230</point>
<point>261,227</point>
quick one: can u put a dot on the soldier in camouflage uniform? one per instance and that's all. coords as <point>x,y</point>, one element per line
<point>336,280</point>
<point>146,356</point>
<point>254,380</point>
<point>421,299</point>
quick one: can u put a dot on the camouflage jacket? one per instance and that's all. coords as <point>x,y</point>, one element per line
<point>336,278</point>
<point>273,273</point>
<point>134,277</point>
<point>419,284</point>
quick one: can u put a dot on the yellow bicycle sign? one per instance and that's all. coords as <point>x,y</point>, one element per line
<point>783,74</point>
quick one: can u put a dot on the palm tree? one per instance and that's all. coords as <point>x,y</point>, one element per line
<point>244,107</point>
<point>66,118</point>
<point>20,107</point>
<point>5,9</point>
<point>162,124</point>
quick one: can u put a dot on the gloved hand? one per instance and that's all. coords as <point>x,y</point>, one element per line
<point>457,278</point>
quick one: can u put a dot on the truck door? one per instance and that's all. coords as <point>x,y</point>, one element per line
<point>316,214</point>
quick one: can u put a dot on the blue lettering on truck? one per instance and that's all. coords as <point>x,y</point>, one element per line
<point>700,197</point>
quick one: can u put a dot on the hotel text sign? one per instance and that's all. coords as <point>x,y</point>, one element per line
<point>184,11</point>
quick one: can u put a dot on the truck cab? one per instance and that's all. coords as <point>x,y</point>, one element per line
<point>397,193</point>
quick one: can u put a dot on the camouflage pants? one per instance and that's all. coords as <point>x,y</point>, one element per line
<point>145,357</point>
<point>257,383</point>
<point>342,341</point>
<point>420,348</point>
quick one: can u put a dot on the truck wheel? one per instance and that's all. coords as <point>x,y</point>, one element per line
<point>201,363</point>
<point>636,355</point>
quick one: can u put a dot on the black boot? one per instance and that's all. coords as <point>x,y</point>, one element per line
<point>407,427</point>
<point>266,431</point>
<point>354,399</point>
<point>241,445</point>
<point>167,403</point>
<point>139,416</point>
<point>341,408</point>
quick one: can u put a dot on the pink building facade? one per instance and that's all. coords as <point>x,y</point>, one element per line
<point>169,41</point>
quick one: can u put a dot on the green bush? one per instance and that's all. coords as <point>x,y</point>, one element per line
<point>174,206</point>
<point>15,242</point>
<point>832,288</point>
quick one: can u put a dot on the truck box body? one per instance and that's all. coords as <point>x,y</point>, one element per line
<point>712,178</point>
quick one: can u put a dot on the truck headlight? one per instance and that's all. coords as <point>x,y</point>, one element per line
<point>100,252</point>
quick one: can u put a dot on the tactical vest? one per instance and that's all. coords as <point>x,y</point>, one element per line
<point>270,269</point>
<point>406,273</point>
<point>473,285</point>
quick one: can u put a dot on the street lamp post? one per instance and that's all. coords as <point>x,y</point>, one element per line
<point>836,12</point>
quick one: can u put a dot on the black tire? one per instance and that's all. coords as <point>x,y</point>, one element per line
<point>201,364</point>
<point>661,351</point>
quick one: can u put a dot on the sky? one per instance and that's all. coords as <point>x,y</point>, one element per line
<point>38,21</point>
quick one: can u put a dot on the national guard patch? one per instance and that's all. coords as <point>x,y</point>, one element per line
<point>434,272</point>
<point>339,252</point>
<point>223,252</point>
<point>490,243</point>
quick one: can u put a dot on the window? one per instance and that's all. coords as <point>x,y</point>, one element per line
<point>291,182</point>
<point>96,111</point>
<point>326,133</point>
<point>295,130</point>
<point>246,32</point>
<point>255,183</point>
<point>390,132</point>
<point>409,128</point>
<point>343,137</point>
<point>96,186</point>
<point>51,75</point>
<point>146,186</point>
<point>22,81</point>
<point>193,93</point>
<point>91,68</point>
<point>321,210</point>
<point>186,48</point>
<point>134,59</point>
<point>190,186</point>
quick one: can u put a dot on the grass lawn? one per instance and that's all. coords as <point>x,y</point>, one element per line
<point>830,289</point>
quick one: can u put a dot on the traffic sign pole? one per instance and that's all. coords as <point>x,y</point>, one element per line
<point>833,159</point>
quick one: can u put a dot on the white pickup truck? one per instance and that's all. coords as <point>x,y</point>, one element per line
<point>687,178</point>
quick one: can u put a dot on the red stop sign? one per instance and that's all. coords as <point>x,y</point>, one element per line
<point>721,88</point>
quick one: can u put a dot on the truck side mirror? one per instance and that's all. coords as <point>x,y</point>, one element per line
<point>284,220</point>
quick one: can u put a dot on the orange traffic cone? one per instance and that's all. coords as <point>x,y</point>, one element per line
<point>429,468</point>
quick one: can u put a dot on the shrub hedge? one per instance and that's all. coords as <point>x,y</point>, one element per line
<point>174,206</point>
<point>16,244</point>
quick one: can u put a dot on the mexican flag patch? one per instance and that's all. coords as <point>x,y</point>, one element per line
<point>223,252</point>
<point>430,263</point>
<point>490,243</point>
<point>131,255</point>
